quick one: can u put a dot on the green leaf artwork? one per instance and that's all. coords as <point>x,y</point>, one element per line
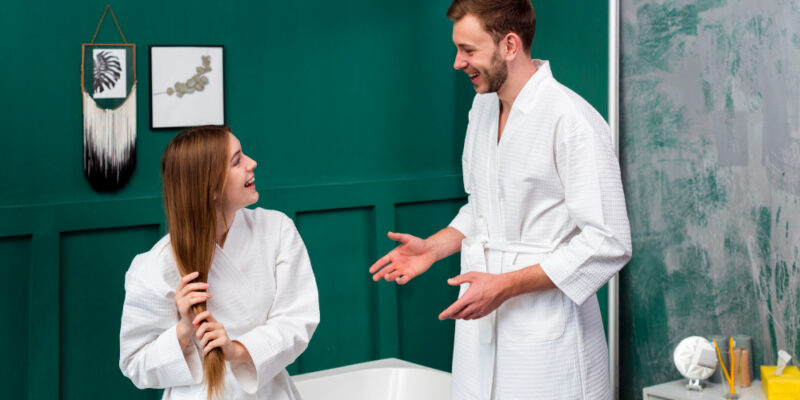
<point>196,83</point>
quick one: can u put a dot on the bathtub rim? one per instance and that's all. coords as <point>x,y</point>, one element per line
<point>375,364</point>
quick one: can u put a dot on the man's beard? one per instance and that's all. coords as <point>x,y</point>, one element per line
<point>497,73</point>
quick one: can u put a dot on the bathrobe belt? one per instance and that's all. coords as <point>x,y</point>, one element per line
<point>488,324</point>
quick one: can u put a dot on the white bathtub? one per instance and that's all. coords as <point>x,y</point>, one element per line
<point>388,379</point>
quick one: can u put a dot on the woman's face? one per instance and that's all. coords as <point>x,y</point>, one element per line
<point>240,189</point>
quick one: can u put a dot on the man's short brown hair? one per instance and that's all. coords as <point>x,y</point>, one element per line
<point>499,17</point>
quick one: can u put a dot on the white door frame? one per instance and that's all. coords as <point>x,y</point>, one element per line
<point>613,121</point>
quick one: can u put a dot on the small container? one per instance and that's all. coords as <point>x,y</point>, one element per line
<point>786,387</point>
<point>744,369</point>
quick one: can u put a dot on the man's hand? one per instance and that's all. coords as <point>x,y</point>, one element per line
<point>406,261</point>
<point>486,292</point>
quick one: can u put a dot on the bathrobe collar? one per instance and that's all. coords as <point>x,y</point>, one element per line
<point>525,100</point>
<point>233,242</point>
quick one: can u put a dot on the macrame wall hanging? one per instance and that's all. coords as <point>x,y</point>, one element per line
<point>108,86</point>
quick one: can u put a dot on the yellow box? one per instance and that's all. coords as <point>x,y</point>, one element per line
<point>786,387</point>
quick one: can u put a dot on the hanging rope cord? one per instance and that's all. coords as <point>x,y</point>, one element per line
<point>109,134</point>
<point>125,43</point>
<point>96,31</point>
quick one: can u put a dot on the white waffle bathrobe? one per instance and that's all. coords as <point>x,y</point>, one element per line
<point>549,193</point>
<point>264,294</point>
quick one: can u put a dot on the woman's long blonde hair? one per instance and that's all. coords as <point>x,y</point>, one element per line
<point>193,171</point>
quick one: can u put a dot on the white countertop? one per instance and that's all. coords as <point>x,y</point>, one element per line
<point>676,390</point>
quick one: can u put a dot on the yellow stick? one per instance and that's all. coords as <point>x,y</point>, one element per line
<point>733,368</point>
<point>724,371</point>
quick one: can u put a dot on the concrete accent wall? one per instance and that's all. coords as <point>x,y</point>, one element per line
<point>710,148</point>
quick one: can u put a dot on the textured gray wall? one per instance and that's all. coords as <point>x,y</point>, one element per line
<point>710,148</point>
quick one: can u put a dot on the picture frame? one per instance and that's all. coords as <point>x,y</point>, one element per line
<point>108,72</point>
<point>187,86</point>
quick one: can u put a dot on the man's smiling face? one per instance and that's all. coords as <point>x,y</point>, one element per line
<point>478,55</point>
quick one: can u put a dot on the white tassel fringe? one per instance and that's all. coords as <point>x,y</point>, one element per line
<point>109,142</point>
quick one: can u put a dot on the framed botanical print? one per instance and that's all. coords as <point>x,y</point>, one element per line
<point>186,86</point>
<point>112,71</point>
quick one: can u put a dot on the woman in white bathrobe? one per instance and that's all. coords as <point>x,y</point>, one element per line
<point>258,287</point>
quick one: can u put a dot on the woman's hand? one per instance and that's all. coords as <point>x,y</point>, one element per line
<point>186,296</point>
<point>212,334</point>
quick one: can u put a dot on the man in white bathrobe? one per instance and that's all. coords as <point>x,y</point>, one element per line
<point>544,227</point>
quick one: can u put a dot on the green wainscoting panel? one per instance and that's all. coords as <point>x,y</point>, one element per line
<point>93,266</point>
<point>14,292</point>
<point>423,338</point>
<point>355,117</point>
<point>341,245</point>
<point>602,298</point>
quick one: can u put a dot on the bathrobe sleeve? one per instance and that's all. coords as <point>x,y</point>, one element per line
<point>589,172</point>
<point>292,319</point>
<point>149,352</point>
<point>464,221</point>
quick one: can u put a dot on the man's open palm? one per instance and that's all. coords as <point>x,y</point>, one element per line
<point>405,262</point>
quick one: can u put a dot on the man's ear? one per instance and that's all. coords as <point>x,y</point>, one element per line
<point>512,44</point>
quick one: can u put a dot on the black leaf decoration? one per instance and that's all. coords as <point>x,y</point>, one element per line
<point>107,70</point>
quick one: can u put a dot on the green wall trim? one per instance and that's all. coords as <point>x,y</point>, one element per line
<point>75,216</point>
<point>389,343</point>
<point>43,328</point>
<point>102,214</point>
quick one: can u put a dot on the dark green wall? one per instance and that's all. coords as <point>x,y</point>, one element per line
<point>356,119</point>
